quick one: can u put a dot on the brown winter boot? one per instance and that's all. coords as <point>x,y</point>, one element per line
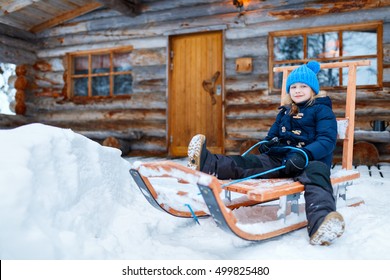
<point>331,227</point>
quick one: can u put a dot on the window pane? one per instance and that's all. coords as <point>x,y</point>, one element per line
<point>100,86</point>
<point>80,87</point>
<point>101,63</point>
<point>359,42</point>
<point>365,75</point>
<point>288,48</point>
<point>80,65</point>
<point>323,45</point>
<point>122,62</point>
<point>278,77</point>
<point>123,84</point>
<point>329,77</point>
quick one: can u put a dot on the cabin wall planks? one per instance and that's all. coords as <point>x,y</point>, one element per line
<point>142,119</point>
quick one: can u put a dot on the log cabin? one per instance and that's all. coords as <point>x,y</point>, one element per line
<point>146,75</point>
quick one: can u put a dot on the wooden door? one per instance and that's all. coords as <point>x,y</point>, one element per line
<point>195,91</point>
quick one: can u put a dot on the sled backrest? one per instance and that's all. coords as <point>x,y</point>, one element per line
<point>345,125</point>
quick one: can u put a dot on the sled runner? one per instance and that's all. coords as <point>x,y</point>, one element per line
<point>276,207</point>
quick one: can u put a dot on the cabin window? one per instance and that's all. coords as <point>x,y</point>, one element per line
<point>329,44</point>
<point>100,74</point>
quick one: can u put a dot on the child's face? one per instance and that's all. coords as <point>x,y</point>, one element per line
<point>300,92</point>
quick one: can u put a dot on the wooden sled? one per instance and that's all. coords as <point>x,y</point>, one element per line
<point>276,204</point>
<point>176,195</point>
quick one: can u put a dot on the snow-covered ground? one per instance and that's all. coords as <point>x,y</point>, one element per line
<point>63,196</point>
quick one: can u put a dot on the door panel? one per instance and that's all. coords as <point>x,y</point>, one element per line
<point>195,95</point>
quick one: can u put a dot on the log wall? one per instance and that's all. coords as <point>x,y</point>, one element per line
<point>17,46</point>
<point>142,120</point>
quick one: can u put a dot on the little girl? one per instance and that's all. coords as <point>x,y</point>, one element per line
<point>307,123</point>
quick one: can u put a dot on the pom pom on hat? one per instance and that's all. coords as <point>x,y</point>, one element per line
<point>306,74</point>
<point>314,66</point>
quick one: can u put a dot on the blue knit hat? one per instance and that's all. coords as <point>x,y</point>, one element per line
<point>306,74</point>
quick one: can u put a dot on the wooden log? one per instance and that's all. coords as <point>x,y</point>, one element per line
<point>149,146</point>
<point>47,79</point>
<point>251,112</point>
<point>336,7</point>
<point>373,136</point>
<point>245,135</point>
<point>144,73</point>
<point>155,6</point>
<point>128,8</point>
<point>151,101</point>
<point>144,43</point>
<point>245,84</point>
<point>110,115</point>
<point>13,121</point>
<point>119,144</point>
<point>376,107</point>
<point>121,130</point>
<point>250,97</point>
<point>16,55</point>
<point>18,33</point>
<point>259,23</point>
<point>249,47</point>
<point>18,43</point>
<point>386,51</point>
<point>148,57</point>
<point>21,84</point>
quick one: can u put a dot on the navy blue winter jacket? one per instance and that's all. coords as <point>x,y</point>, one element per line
<point>314,129</point>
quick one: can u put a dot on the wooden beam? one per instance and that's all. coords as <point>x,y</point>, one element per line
<point>14,32</point>
<point>125,7</point>
<point>65,16</point>
<point>16,55</point>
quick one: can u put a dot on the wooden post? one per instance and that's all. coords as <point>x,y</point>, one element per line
<point>350,115</point>
<point>284,83</point>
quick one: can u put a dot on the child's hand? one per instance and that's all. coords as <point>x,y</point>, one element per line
<point>295,163</point>
<point>266,146</point>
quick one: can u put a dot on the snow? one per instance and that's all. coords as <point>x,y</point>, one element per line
<point>63,196</point>
<point>342,126</point>
<point>7,92</point>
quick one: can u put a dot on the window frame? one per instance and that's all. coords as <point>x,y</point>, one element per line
<point>89,53</point>
<point>378,25</point>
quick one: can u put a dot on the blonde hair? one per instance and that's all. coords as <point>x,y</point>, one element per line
<point>294,108</point>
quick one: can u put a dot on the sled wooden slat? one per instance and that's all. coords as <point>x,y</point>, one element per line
<point>152,196</point>
<point>147,171</point>
<point>262,190</point>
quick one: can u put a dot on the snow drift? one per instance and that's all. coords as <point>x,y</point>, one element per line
<point>63,196</point>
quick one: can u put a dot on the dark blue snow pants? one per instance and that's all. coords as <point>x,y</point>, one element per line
<point>318,195</point>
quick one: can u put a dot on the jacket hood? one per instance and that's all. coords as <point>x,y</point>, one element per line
<point>320,100</point>
<point>324,100</point>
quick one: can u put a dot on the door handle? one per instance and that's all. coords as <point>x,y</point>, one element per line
<point>209,86</point>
